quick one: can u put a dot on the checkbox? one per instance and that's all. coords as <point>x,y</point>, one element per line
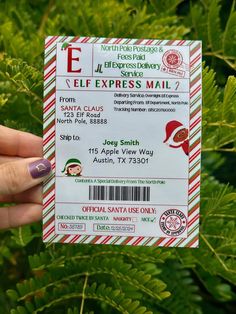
<point>134,219</point>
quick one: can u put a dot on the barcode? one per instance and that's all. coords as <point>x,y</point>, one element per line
<point>119,193</point>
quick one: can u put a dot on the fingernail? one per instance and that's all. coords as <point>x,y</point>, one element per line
<point>39,168</point>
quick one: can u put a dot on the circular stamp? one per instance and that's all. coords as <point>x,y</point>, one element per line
<point>172,59</point>
<point>173,222</point>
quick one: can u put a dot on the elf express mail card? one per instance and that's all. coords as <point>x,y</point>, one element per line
<point>122,128</point>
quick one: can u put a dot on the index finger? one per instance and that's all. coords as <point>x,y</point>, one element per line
<point>18,143</point>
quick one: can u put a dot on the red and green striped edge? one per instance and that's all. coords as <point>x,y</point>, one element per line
<point>49,234</point>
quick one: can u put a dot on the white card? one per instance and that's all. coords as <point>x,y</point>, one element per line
<point>122,127</point>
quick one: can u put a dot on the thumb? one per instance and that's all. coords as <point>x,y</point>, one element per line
<point>21,175</point>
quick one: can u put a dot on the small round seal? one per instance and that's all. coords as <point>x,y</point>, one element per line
<point>173,222</point>
<point>172,59</point>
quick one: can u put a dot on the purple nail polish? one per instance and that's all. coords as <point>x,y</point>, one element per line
<point>39,168</point>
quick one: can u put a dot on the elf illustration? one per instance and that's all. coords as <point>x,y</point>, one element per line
<point>177,136</point>
<point>72,167</point>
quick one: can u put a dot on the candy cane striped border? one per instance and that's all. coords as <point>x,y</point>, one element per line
<point>194,146</point>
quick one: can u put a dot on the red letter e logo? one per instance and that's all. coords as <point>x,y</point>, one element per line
<point>71,59</point>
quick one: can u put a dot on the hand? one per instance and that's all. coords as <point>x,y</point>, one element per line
<point>22,169</point>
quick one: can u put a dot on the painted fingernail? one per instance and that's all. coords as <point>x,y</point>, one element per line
<point>39,168</point>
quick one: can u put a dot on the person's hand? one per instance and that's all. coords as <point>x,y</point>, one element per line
<point>22,169</point>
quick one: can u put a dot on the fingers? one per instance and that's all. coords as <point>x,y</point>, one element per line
<point>4,159</point>
<point>21,175</point>
<point>33,195</point>
<point>19,215</point>
<point>18,143</point>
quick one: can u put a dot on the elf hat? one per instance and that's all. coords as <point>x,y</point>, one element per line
<point>171,127</point>
<point>70,162</point>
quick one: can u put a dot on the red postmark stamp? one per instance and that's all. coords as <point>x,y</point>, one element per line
<point>172,59</point>
<point>173,222</point>
<point>173,63</point>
